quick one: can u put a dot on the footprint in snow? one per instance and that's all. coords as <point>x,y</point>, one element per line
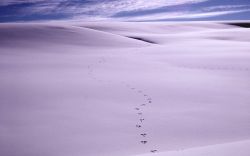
<point>138,126</point>
<point>137,108</point>
<point>139,113</point>
<point>142,120</point>
<point>153,151</point>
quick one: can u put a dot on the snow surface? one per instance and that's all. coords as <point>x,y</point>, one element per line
<point>124,89</point>
<point>228,149</point>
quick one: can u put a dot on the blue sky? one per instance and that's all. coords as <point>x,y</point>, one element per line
<point>123,10</point>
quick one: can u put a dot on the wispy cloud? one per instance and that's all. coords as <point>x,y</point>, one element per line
<point>113,7</point>
<point>204,12</point>
<point>130,10</point>
<point>225,7</point>
<point>179,15</point>
<point>96,7</point>
<point>13,2</point>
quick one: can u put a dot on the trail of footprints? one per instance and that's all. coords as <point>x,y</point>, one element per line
<point>140,112</point>
<point>139,109</point>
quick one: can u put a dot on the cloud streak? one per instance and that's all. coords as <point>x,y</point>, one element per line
<point>14,2</point>
<point>94,7</point>
<point>180,15</point>
<point>205,12</point>
<point>113,7</point>
<point>123,10</point>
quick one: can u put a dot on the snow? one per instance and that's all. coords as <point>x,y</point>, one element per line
<point>81,88</point>
<point>228,149</point>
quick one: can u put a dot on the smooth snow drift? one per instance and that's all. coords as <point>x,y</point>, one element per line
<point>124,89</point>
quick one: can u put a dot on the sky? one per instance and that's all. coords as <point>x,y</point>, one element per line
<point>123,10</point>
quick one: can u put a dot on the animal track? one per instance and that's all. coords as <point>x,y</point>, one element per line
<point>144,142</point>
<point>139,109</point>
<point>153,151</point>
<point>138,126</point>
<point>142,120</point>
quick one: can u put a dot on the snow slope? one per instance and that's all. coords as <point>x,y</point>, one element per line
<point>37,34</point>
<point>124,89</point>
<point>228,149</point>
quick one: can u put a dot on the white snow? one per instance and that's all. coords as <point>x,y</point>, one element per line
<point>75,89</point>
<point>228,149</point>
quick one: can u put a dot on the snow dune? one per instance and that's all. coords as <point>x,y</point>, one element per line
<point>164,33</point>
<point>37,34</point>
<point>124,89</point>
